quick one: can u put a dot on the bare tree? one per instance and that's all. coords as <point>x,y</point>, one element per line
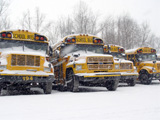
<point>84,19</point>
<point>3,6</point>
<point>39,20</point>
<point>33,22</point>
<point>4,19</point>
<point>51,30</point>
<point>108,30</point>
<point>65,26</point>
<point>145,33</point>
<point>6,22</point>
<point>121,31</point>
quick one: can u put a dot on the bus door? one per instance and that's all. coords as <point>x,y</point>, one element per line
<point>57,63</point>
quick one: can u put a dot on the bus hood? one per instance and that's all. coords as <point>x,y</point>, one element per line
<point>122,61</point>
<point>83,56</point>
<point>149,63</point>
<point>22,52</point>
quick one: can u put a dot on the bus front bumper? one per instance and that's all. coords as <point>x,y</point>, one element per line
<point>154,76</point>
<point>25,76</point>
<point>25,79</point>
<point>98,77</point>
<point>125,76</point>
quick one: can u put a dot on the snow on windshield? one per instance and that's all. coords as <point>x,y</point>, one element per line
<point>26,46</point>
<point>147,57</point>
<point>82,49</point>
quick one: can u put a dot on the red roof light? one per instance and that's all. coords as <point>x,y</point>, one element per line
<point>3,34</point>
<point>41,38</point>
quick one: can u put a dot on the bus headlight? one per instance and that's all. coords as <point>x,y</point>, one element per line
<point>78,67</point>
<point>3,67</point>
<point>116,66</point>
<point>135,69</point>
<point>46,69</point>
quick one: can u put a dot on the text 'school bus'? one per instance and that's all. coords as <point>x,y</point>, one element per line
<point>145,60</point>
<point>129,74</point>
<point>22,61</point>
<point>79,59</point>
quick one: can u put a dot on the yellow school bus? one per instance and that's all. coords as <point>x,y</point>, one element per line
<point>79,60</point>
<point>144,59</point>
<point>129,75</point>
<point>22,61</point>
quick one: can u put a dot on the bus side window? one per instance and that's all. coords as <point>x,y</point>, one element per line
<point>129,57</point>
<point>132,58</point>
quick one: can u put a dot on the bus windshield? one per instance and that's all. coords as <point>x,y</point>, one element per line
<point>82,48</point>
<point>28,46</point>
<point>118,55</point>
<point>146,57</point>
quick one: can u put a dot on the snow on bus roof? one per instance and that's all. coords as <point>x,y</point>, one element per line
<point>13,30</point>
<point>131,50</point>
<point>79,35</point>
<point>115,45</point>
<point>60,41</point>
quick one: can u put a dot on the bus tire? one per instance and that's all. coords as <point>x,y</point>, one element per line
<point>144,78</point>
<point>131,82</point>
<point>47,88</point>
<point>111,85</point>
<point>73,84</point>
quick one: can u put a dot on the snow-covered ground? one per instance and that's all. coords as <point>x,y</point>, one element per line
<point>141,102</point>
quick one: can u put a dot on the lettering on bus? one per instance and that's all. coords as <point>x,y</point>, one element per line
<point>146,50</point>
<point>23,36</point>
<point>114,49</point>
<point>89,40</point>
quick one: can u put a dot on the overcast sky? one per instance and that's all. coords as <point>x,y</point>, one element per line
<point>140,10</point>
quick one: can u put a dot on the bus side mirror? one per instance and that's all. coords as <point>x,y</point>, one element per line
<point>139,59</point>
<point>49,65</point>
<point>76,55</point>
<point>62,45</point>
<point>57,53</point>
<point>50,51</point>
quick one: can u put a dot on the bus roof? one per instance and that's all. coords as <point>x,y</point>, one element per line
<point>111,48</point>
<point>83,39</point>
<point>141,50</point>
<point>114,45</point>
<point>24,35</point>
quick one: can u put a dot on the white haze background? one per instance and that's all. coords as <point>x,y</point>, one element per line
<point>91,103</point>
<point>140,10</point>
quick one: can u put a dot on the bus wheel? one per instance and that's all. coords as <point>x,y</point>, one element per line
<point>131,82</point>
<point>112,85</point>
<point>47,87</point>
<point>144,79</point>
<point>61,88</point>
<point>73,83</point>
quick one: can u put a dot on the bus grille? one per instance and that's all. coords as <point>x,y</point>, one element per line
<point>25,60</point>
<point>124,66</point>
<point>158,66</point>
<point>100,63</point>
<point>99,59</point>
<point>99,66</point>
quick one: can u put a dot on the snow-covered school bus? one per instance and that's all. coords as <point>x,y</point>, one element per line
<point>22,61</point>
<point>129,74</point>
<point>144,59</point>
<point>79,60</point>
